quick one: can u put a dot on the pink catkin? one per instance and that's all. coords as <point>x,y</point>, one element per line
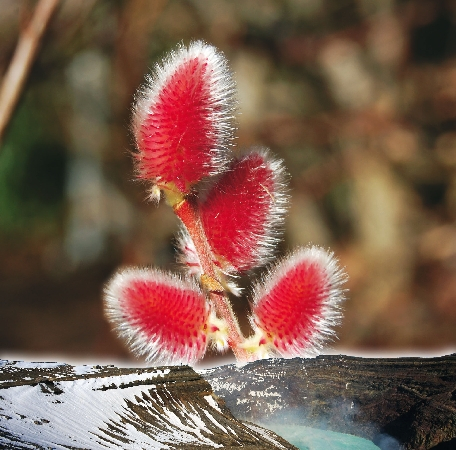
<point>244,210</point>
<point>161,316</point>
<point>299,303</point>
<point>287,311</point>
<point>181,120</point>
<point>178,136</point>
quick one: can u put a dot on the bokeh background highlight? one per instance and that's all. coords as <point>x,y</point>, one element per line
<point>357,96</point>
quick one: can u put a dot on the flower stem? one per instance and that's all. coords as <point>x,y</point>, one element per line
<point>235,337</point>
<point>188,213</point>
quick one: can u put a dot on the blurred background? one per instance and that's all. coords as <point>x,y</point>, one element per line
<point>357,96</point>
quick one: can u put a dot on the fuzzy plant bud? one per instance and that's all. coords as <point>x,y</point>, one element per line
<point>183,127</point>
<point>162,317</point>
<point>244,211</point>
<point>297,305</point>
<point>182,119</point>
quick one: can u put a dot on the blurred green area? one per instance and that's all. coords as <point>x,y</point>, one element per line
<point>32,175</point>
<point>357,96</point>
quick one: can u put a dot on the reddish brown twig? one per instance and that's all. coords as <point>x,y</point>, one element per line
<point>26,49</point>
<point>189,215</point>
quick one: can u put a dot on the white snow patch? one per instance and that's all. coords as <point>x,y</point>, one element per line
<point>264,393</point>
<point>220,385</point>
<point>215,422</point>
<point>19,365</point>
<point>122,380</point>
<point>78,415</point>
<point>85,370</point>
<point>261,431</point>
<point>275,406</point>
<point>212,402</point>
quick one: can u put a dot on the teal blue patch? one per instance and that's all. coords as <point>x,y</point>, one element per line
<point>306,438</point>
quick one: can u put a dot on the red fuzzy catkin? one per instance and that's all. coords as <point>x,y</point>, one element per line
<point>183,118</point>
<point>160,315</point>
<point>298,303</point>
<point>244,211</point>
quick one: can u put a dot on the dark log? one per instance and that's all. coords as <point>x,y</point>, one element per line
<point>405,403</point>
<point>49,405</point>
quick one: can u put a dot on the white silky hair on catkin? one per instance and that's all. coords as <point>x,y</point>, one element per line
<point>222,95</point>
<point>330,315</point>
<point>188,256</point>
<point>189,259</point>
<point>153,349</point>
<point>266,242</point>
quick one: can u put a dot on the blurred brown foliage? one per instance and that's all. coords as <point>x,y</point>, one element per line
<point>357,96</point>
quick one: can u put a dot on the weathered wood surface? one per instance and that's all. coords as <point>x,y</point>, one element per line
<point>412,400</point>
<point>50,406</point>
